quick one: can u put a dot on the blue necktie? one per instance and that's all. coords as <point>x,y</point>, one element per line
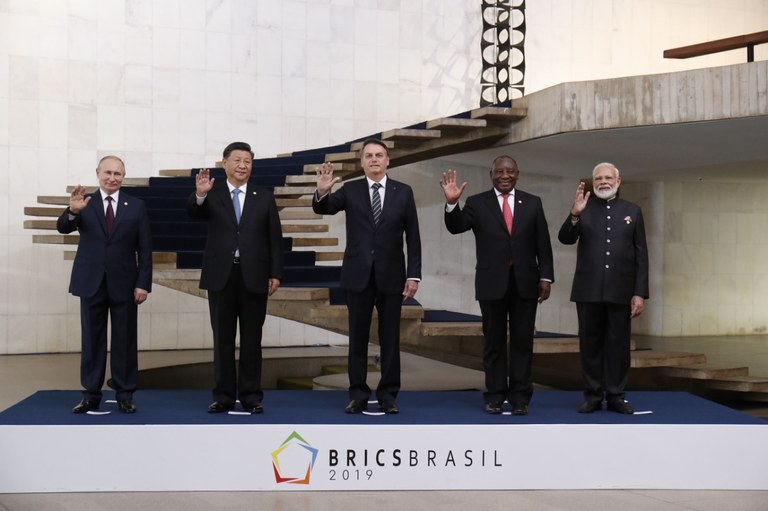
<point>236,203</point>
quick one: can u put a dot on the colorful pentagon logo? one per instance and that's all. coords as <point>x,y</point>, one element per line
<point>292,462</point>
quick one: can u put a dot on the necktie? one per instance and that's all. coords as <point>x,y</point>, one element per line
<point>110,215</point>
<point>506,211</point>
<point>376,202</point>
<point>236,203</point>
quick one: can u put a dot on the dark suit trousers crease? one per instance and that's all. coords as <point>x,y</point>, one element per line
<point>232,304</point>
<point>360,307</point>
<point>604,338</point>
<point>95,313</point>
<point>508,368</point>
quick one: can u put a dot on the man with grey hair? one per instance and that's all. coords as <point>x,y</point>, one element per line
<point>610,285</point>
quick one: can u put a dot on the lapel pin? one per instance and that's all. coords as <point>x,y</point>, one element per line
<point>628,220</point>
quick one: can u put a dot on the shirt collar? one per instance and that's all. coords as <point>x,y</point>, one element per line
<point>383,181</point>
<point>231,187</point>
<point>499,194</point>
<point>115,196</point>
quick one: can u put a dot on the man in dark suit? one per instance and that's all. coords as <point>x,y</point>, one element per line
<point>610,285</point>
<point>112,275</point>
<point>379,211</point>
<point>242,266</point>
<point>513,275</point>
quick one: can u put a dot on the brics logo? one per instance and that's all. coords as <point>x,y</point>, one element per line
<point>292,462</point>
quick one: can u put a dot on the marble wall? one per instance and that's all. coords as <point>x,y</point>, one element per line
<point>167,84</point>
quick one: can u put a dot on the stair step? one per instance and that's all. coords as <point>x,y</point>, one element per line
<point>302,180</point>
<point>343,369</point>
<point>329,256</point>
<point>704,372</point>
<point>348,157</point>
<point>299,214</point>
<point>315,242</point>
<point>294,203</point>
<point>652,358</point>
<point>492,113</point>
<point>293,191</point>
<point>291,228</point>
<point>43,211</point>
<point>454,123</point>
<point>296,383</point>
<point>410,135</point>
<point>740,384</point>
<point>163,261</point>
<point>56,239</point>
<point>300,294</point>
<point>338,168</point>
<point>340,312</point>
<point>57,200</point>
<point>175,172</point>
<point>452,328</point>
<point>46,225</point>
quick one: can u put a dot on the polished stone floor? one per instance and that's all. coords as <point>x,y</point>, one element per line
<point>21,375</point>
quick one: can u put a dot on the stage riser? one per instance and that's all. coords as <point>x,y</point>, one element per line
<point>106,458</point>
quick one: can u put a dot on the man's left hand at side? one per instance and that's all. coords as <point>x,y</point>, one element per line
<point>544,289</point>
<point>140,295</point>
<point>411,286</point>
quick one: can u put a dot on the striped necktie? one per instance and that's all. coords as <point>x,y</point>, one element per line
<point>376,202</point>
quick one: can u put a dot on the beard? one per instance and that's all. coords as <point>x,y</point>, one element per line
<point>607,193</point>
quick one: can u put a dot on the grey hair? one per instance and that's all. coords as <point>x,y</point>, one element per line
<point>605,164</point>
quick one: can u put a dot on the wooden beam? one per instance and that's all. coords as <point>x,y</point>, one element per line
<point>720,45</point>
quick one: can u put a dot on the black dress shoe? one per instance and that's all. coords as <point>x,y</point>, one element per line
<point>217,407</point>
<point>590,406</point>
<point>493,408</point>
<point>389,408</point>
<point>356,406</point>
<point>126,406</point>
<point>519,409</point>
<point>85,405</point>
<point>621,406</point>
<point>253,407</point>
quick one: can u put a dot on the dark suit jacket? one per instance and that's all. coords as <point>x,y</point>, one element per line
<point>625,255</point>
<point>258,236</point>
<point>378,246</point>
<point>125,256</point>
<point>528,247</point>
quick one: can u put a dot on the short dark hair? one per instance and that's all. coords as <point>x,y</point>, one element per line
<point>377,142</point>
<point>502,157</point>
<point>237,146</point>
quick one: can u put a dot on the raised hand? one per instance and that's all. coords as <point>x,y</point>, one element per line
<point>325,179</point>
<point>450,187</point>
<point>203,182</point>
<point>580,201</point>
<point>78,200</point>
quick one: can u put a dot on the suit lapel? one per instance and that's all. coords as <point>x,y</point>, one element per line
<point>250,198</point>
<point>120,212</point>
<point>97,203</point>
<point>226,198</point>
<point>492,202</point>
<point>390,194</point>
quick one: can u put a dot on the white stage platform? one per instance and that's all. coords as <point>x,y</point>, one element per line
<point>330,450</point>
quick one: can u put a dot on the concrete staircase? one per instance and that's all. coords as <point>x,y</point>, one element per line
<point>459,343</point>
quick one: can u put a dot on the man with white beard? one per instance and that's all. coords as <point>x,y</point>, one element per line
<point>610,285</point>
